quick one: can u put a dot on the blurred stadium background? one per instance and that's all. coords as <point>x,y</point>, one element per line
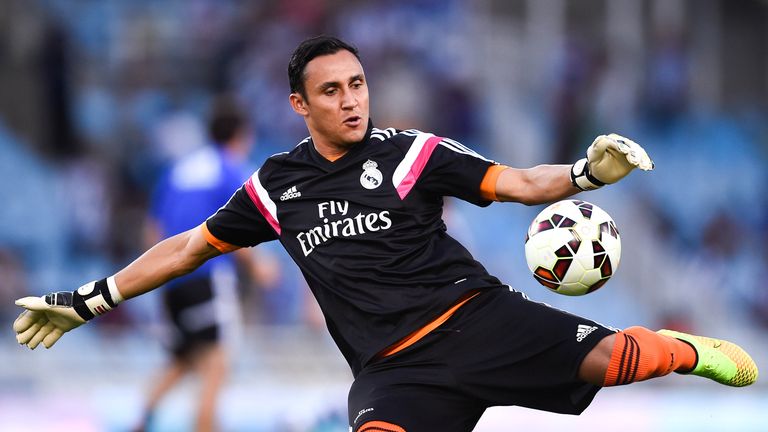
<point>96,96</point>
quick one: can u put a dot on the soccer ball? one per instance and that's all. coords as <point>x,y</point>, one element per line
<point>573,247</point>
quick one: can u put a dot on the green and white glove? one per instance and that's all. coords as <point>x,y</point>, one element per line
<point>609,159</point>
<point>48,317</point>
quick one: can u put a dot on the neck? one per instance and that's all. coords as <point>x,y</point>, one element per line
<point>328,151</point>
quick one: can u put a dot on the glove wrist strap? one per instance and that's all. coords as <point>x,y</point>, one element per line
<point>582,178</point>
<point>96,298</point>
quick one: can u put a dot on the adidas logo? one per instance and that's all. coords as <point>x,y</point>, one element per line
<point>583,331</point>
<point>291,193</point>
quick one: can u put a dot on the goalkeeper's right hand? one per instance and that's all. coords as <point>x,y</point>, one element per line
<point>48,317</point>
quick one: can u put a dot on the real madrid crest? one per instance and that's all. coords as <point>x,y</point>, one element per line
<point>371,177</point>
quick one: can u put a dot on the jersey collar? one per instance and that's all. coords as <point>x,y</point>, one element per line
<point>356,148</point>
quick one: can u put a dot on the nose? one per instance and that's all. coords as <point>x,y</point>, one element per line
<point>348,100</point>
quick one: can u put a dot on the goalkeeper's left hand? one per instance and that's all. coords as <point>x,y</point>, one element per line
<point>48,317</point>
<point>609,159</point>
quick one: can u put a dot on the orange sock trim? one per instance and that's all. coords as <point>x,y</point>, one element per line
<point>380,426</point>
<point>640,354</point>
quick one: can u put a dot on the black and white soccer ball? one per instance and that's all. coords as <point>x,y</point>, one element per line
<point>573,247</point>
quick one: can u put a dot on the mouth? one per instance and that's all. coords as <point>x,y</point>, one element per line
<point>353,121</point>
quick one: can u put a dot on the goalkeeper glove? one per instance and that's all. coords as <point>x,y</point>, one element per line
<point>48,317</point>
<point>609,159</point>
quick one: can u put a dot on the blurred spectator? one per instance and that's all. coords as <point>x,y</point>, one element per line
<point>202,306</point>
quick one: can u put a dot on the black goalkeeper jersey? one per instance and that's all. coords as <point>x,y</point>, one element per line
<point>366,231</point>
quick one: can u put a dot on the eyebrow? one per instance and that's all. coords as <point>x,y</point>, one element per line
<point>328,84</point>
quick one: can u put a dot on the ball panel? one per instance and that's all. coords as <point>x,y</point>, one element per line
<point>590,277</point>
<point>546,274</point>
<point>563,252</point>
<point>561,267</point>
<point>572,289</point>
<point>597,247</point>
<point>544,226</point>
<point>575,244</point>
<point>551,285</point>
<point>597,285</point>
<point>598,259</point>
<point>606,270</point>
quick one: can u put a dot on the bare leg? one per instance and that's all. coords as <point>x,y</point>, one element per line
<point>169,377</point>
<point>595,364</point>
<point>212,368</point>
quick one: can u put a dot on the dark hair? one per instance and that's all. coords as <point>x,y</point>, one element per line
<point>226,120</point>
<point>308,50</point>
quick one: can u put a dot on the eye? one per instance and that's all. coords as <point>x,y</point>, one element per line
<point>330,92</point>
<point>357,84</point>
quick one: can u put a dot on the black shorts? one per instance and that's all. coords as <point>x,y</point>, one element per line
<point>498,349</point>
<point>192,312</point>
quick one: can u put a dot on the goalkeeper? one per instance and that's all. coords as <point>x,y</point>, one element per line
<point>432,339</point>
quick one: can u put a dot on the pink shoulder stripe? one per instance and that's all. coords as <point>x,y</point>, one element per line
<point>261,199</point>
<point>410,168</point>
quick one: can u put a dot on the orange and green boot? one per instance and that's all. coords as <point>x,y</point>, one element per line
<point>719,360</point>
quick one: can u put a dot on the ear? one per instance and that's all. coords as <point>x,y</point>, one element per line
<point>299,104</point>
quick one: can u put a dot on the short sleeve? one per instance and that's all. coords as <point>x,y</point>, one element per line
<point>240,222</point>
<point>455,170</point>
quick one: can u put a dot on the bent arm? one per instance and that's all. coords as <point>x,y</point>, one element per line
<point>169,259</point>
<point>538,185</point>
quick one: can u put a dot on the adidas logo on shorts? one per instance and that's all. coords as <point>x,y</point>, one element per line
<point>291,193</point>
<point>583,331</point>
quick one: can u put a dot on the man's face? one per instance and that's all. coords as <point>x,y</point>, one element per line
<point>336,106</point>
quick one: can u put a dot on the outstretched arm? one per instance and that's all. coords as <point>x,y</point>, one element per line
<point>169,259</point>
<point>48,317</point>
<point>537,185</point>
<point>609,159</point>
